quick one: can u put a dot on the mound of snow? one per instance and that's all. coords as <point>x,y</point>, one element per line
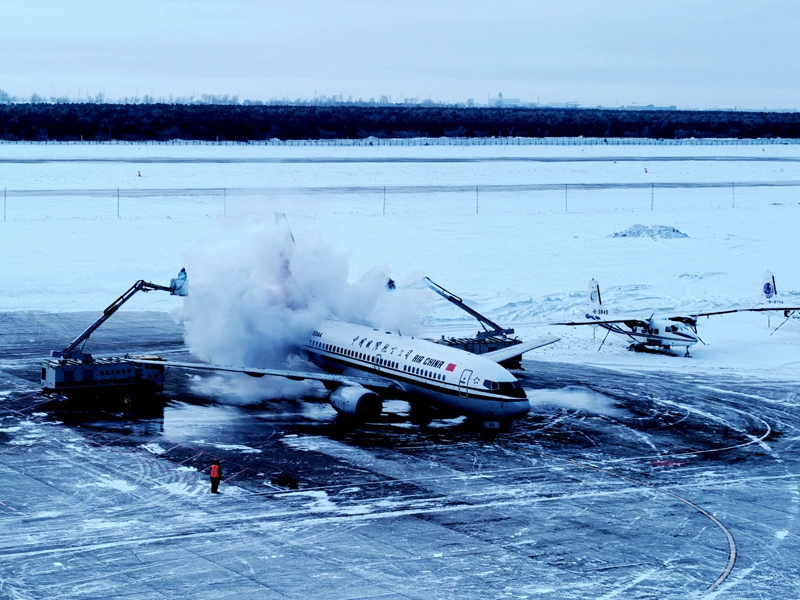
<point>655,232</point>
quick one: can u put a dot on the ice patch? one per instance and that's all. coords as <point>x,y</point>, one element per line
<point>180,488</point>
<point>781,534</point>
<point>654,232</point>
<point>47,514</point>
<point>360,509</point>
<point>320,503</point>
<point>114,484</point>
<point>118,484</point>
<point>308,444</point>
<point>231,490</point>
<point>153,448</point>
<point>242,449</point>
<point>102,524</point>
<point>445,423</point>
<point>574,398</point>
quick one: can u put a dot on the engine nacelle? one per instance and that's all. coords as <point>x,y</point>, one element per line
<point>356,401</point>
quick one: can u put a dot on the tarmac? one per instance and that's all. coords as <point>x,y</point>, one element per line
<point>618,484</point>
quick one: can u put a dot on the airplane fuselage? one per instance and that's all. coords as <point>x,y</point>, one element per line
<point>446,377</point>
<point>654,333</point>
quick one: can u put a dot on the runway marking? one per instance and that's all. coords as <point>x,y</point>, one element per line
<point>191,457</point>
<point>717,522</point>
<point>4,505</point>
<point>753,440</point>
<point>603,471</point>
<point>235,475</point>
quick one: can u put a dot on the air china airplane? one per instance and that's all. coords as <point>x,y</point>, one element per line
<point>361,365</point>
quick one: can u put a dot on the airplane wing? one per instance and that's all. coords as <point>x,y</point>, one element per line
<point>371,382</point>
<point>786,309</point>
<point>517,349</point>
<point>628,322</point>
<point>692,320</point>
<point>710,313</point>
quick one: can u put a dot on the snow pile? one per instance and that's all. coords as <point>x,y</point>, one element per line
<point>655,232</point>
<point>153,448</point>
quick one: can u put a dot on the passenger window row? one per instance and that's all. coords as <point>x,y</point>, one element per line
<point>390,364</point>
<point>384,363</point>
<point>424,373</point>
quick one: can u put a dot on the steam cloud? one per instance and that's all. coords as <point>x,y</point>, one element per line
<point>256,296</point>
<point>574,398</point>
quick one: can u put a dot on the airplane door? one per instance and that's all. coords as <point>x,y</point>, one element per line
<point>463,383</point>
<point>377,361</point>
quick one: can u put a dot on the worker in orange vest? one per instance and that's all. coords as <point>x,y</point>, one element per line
<point>216,475</point>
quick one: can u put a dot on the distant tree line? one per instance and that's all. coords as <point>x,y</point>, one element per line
<point>141,122</point>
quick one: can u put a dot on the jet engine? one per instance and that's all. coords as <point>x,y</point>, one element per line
<point>356,401</point>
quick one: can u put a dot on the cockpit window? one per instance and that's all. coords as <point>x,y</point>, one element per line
<point>507,386</point>
<point>491,385</point>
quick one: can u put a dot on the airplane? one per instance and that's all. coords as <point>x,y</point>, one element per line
<point>650,333</point>
<point>362,365</point>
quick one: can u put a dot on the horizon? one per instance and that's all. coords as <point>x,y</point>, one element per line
<point>383,101</point>
<point>693,55</point>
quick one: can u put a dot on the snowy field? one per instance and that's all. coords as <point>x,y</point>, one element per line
<point>635,475</point>
<point>524,258</point>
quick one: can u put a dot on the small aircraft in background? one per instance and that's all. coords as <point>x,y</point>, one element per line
<point>662,333</point>
<point>769,298</point>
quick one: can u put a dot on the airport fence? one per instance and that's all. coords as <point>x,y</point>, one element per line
<point>398,200</point>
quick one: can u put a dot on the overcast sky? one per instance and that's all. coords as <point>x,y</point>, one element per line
<point>691,53</point>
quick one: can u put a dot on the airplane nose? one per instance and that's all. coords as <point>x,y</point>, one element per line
<point>519,409</point>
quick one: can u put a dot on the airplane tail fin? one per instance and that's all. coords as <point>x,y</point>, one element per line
<point>768,289</point>
<point>594,308</point>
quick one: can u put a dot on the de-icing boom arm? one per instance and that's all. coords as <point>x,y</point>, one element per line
<point>177,287</point>
<point>495,328</point>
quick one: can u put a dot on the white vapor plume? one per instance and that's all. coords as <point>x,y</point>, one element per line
<point>256,296</point>
<point>574,398</point>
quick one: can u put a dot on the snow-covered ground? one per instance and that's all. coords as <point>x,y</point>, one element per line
<point>636,482</point>
<point>521,257</point>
